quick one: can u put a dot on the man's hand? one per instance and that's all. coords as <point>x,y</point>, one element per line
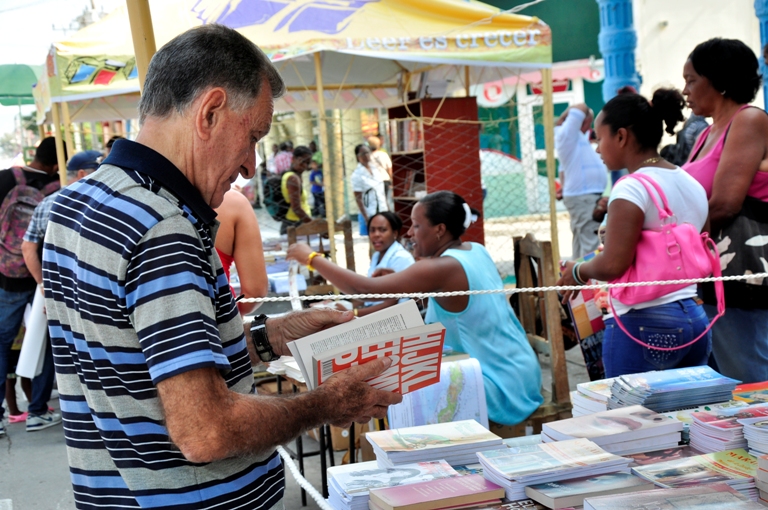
<point>353,399</point>
<point>281,330</point>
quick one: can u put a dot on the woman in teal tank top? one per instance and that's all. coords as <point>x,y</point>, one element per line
<point>483,326</point>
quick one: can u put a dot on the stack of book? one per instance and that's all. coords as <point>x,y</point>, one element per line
<point>761,478</point>
<point>668,390</point>
<point>456,492</point>
<point>591,397</point>
<point>569,493</point>
<point>753,393</point>
<point>714,431</point>
<point>685,416</point>
<point>349,484</point>
<point>620,431</point>
<point>737,468</point>
<point>756,435</point>
<point>705,497</point>
<point>455,442</point>
<point>547,462</point>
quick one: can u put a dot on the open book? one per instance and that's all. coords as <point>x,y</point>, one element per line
<point>397,332</point>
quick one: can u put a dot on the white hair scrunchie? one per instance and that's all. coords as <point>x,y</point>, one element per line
<point>467,215</point>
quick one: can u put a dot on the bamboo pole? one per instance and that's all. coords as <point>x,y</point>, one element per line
<point>329,184</point>
<point>143,35</point>
<point>59,144</point>
<point>67,121</point>
<point>548,111</point>
<point>466,80</point>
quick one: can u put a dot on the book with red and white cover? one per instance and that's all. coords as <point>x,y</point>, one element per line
<point>443,493</point>
<point>416,354</point>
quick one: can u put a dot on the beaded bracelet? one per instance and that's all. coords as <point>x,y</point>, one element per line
<point>576,274</point>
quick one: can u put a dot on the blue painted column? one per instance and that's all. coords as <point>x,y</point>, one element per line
<point>617,42</point>
<point>761,10</point>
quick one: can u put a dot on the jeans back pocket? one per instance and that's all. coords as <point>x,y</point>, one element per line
<point>665,338</point>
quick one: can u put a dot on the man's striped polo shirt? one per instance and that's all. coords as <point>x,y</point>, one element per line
<point>135,294</point>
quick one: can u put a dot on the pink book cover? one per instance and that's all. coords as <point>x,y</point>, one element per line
<point>435,491</point>
<point>727,419</point>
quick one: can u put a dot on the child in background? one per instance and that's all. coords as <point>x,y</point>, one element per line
<point>318,192</point>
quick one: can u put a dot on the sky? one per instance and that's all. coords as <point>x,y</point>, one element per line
<point>27,30</point>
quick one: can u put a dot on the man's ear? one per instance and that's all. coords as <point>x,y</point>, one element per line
<point>209,111</point>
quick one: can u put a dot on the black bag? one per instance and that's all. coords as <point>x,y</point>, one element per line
<point>743,246</point>
<point>277,206</point>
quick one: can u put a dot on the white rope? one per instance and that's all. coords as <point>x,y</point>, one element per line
<point>423,295</point>
<point>303,483</point>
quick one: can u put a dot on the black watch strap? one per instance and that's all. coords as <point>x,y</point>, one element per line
<point>260,339</point>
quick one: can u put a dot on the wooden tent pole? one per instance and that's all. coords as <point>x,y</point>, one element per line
<point>548,111</point>
<point>466,80</point>
<point>67,121</point>
<point>328,182</point>
<point>143,35</point>
<point>59,144</point>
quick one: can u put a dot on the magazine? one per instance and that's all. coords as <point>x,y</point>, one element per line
<point>717,496</point>
<point>359,478</point>
<point>397,332</point>
<point>436,494</point>
<point>734,467</point>
<point>572,492</point>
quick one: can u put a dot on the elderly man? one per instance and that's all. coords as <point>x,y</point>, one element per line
<point>153,367</point>
<point>582,174</point>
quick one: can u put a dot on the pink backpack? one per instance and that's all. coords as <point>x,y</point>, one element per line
<point>15,215</point>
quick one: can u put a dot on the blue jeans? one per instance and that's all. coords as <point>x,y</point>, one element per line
<point>740,343</point>
<point>667,325</point>
<point>12,305</point>
<point>363,224</point>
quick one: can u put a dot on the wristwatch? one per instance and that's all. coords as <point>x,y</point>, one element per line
<point>260,340</point>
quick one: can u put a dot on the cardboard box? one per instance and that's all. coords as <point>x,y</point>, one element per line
<point>340,436</point>
<point>366,450</point>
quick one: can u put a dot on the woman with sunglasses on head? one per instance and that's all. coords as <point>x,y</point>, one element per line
<point>629,130</point>
<point>483,326</point>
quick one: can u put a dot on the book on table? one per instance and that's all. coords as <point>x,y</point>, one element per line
<point>716,496</point>
<point>752,393</point>
<point>718,430</point>
<point>621,431</point>
<point>470,490</point>
<point>455,442</point>
<point>349,484</point>
<point>568,493</point>
<point>654,457</point>
<point>547,462</point>
<point>397,332</point>
<point>667,390</point>
<point>737,468</point>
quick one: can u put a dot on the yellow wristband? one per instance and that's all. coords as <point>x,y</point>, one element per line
<point>354,312</point>
<point>310,259</point>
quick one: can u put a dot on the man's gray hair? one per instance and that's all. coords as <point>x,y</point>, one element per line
<point>201,58</point>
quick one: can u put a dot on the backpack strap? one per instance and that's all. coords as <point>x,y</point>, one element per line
<point>50,187</point>
<point>664,212</point>
<point>18,174</point>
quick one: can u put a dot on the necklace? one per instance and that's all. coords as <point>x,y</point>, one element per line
<point>651,161</point>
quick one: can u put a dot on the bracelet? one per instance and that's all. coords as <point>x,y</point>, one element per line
<point>354,312</point>
<point>310,259</point>
<point>576,275</point>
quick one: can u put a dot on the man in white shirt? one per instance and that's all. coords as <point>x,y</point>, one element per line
<point>582,174</point>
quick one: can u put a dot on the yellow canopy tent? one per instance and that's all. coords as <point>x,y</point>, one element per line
<point>331,53</point>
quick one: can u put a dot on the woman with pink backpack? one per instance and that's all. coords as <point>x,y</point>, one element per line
<point>653,233</point>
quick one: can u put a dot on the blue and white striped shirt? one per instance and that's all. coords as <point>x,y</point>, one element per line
<point>135,294</point>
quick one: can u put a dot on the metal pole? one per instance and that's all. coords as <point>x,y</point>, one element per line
<point>617,41</point>
<point>761,10</point>
<point>548,111</point>
<point>143,35</point>
<point>329,184</point>
<point>67,129</point>
<point>59,144</point>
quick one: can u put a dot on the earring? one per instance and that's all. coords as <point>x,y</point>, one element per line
<point>722,93</point>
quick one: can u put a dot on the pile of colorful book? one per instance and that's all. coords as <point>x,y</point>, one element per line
<point>622,431</point>
<point>716,496</point>
<point>736,468</point>
<point>719,430</point>
<point>667,390</point>
<point>761,478</point>
<point>470,491</point>
<point>591,397</point>
<point>547,462</point>
<point>455,442</point>
<point>756,434</point>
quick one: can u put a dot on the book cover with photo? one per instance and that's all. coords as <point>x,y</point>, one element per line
<point>359,478</point>
<point>437,494</point>
<point>731,467</point>
<point>568,493</point>
<point>716,496</point>
<point>754,393</point>
<point>658,456</point>
<point>426,437</point>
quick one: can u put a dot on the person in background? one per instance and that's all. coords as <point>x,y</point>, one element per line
<point>483,326</point>
<point>79,166</point>
<point>629,130</point>
<point>17,291</point>
<point>270,161</point>
<point>293,192</point>
<point>238,240</point>
<point>110,143</point>
<point>384,233</point>
<point>582,175</point>
<point>383,162</point>
<point>173,385</point>
<point>284,157</point>
<point>368,188</point>
<point>15,415</point>
<point>318,192</point>
<point>730,160</point>
<point>677,153</point>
